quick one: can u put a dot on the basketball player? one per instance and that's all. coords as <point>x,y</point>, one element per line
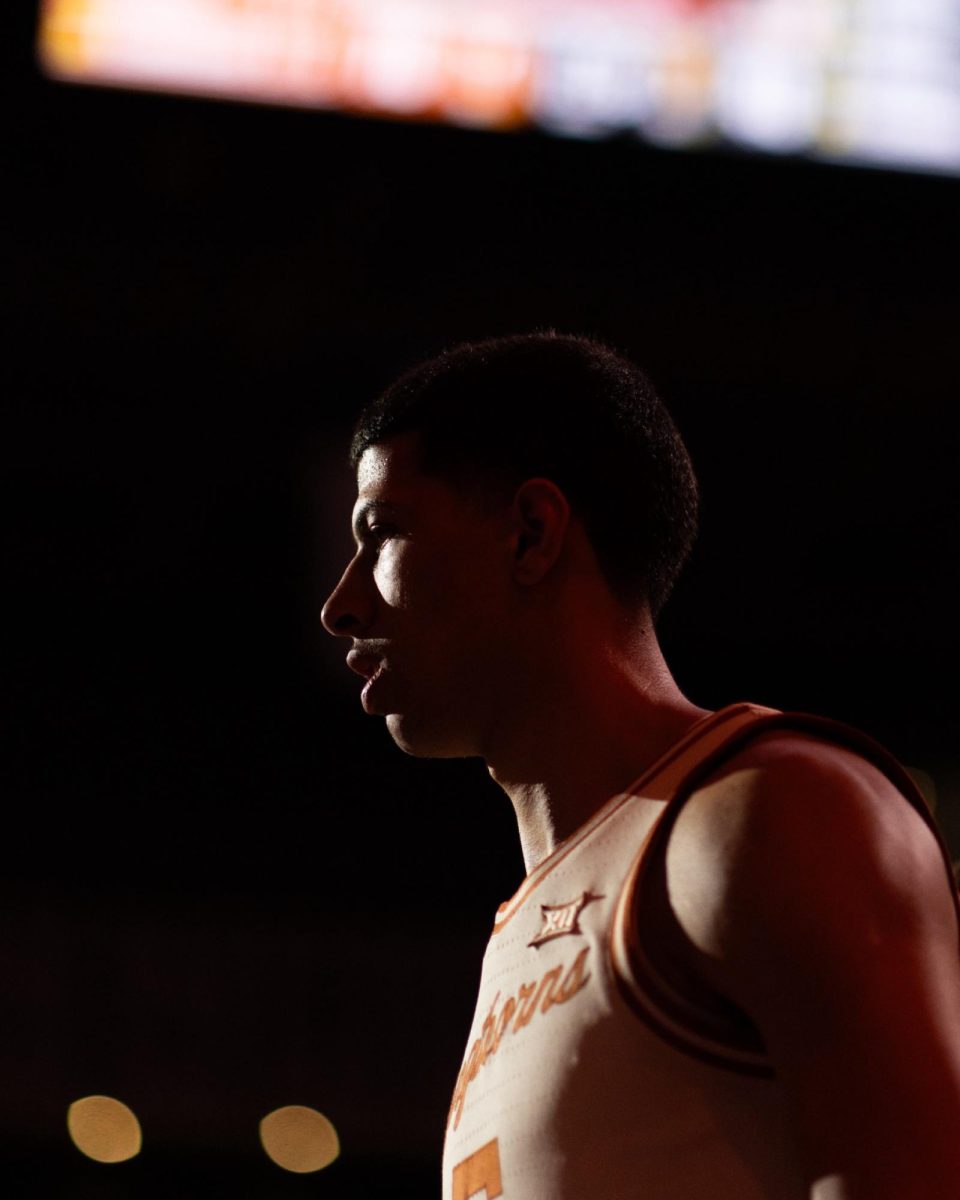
<point>732,970</point>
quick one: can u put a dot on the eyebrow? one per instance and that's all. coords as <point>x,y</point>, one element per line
<point>364,510</point>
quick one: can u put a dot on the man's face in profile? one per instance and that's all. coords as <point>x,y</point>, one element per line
<point>425,601</point>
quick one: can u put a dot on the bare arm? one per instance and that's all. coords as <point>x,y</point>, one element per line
<point>814,896</point>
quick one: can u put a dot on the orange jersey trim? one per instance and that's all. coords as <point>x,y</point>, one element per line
<point>728,1039</point>
<point>657,782</point>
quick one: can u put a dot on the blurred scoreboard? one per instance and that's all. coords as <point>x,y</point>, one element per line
<point>867,81</point>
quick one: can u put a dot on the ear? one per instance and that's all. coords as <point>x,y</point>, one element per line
<point>541,518</point>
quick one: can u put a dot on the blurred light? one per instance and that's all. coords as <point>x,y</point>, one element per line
<point>394,62</point>
<point>487,68</point>
<point>900,121</point>
<point>593,77</point>
<point>299,1139</point>
<point>771,101</point>
<point>684,81</point>
<point>104,1129</point>
<point>861,80</point>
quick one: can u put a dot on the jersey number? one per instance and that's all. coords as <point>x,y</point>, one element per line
<point>480,1172</point>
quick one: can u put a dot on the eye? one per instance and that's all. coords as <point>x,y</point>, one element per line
<point>378,534</point>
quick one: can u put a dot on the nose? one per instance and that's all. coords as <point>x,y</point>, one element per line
<point>348,610</point>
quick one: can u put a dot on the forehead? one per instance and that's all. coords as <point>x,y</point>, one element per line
<point>390,467</point>
<point>389,475</point>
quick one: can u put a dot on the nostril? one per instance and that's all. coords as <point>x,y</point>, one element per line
<point>335,617</point>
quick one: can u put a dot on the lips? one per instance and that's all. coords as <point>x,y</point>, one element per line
<point>366,665</point>
<point>368,687</point>
<point>372,668</point>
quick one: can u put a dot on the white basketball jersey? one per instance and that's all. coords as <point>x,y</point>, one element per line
<point>586,1077</point>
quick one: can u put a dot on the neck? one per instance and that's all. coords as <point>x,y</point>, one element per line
<point>585,731</point>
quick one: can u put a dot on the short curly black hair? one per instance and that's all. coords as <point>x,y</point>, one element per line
<point>493,413</point>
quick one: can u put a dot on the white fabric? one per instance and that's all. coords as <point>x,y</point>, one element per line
<point>565,1092</point>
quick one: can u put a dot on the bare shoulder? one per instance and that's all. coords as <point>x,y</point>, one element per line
<point>809,891</point>
<point>799,848</point>
<point>794,791</point>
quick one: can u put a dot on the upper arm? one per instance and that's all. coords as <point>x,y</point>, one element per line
<point>815,897</point>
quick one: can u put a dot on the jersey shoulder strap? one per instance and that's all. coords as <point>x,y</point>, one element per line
<point>720,1032</point>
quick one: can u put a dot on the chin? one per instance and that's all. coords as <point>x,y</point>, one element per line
<point>415,738</point>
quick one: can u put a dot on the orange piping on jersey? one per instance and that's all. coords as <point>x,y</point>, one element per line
<point>685,1026</point>
<point>681,1038</point>
<point>700,737</point>
<point>711,1036</point>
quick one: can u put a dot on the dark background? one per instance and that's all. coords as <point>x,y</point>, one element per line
<point>224,889</point>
